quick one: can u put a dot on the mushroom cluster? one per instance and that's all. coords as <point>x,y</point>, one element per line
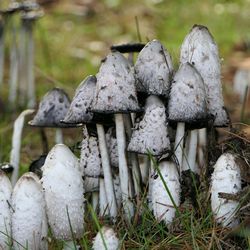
<point>140,125</point>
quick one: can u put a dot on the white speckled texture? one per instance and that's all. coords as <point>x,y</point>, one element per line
<point>187,100</point>
<point>5,212</point>
<point>52,109</point>
<point>225,178</point>
<point>63,187</point>
<point>162,205</point>
<point>90,160</point>
<point>115,89</point>
<point>110,238</point>
<point>112,147</point>
<point>200,49</point>
<point>153,69</point>
<point>29,222</point>
<point>79,111</point>
<point>150,134</point>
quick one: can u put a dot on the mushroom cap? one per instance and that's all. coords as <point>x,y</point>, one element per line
<point>29,222</point>
<point>90,160</point>
<point>115,88</point>
<point>64,193</point>
<point>5,212</point>
<point>200,49</point>
<point>52,109</point>
<point>226,178</point>
<point>79,111</point>
<point>187,100</point>
<point>110,238</point>
<point>151,133</point>
<point>153,69</point>
<point>162,205</point>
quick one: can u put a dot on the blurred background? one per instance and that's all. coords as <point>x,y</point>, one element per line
<point>73,36</point>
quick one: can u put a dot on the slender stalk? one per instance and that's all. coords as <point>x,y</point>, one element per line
<point>202,147</point>
<point>95,200</point>
<point>31,96</point>
<point>123,167</point>
<point>103,203</point>
<point>179,138</point>
<point>108,179</point>
<point>16,144</point>
<point>59,136</point>
<point>1,52</point>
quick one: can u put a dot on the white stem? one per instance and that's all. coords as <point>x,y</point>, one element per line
<point>1,53</point>
<point>179,138</point>
<point>95,200</point>
<point>16,144</point>
<point>202,147</point>
<point>123,167</point>
<point>59,136</point>
<point>108,179</point>
<point>191,159</point>
<point>31,96</point>
<point>103,203</point>
<point>13,69</point>
<point>185,164</point>
<point>149,195</point>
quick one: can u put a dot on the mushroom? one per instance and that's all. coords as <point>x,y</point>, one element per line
<point>64,194</point>
<point>16,144</point>
<point>187,104</point>
<point>52,109</point>
<point>2,48</point>
<point>153,69</point>
<point>5,211</point>
<point>116,94</point>
<point>29,222</point>
<point>106,239</point>
<point>79,112</point>
<point>165,202</point>
<point>226,178</point>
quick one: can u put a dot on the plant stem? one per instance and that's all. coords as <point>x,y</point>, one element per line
<point>179,138</point>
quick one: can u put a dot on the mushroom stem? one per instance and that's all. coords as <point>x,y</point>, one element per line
<point>202,144</point>
<point>30,64</point>
<point>59,136</point>
<point>1,52</point>
<point>191,157</point>
<point>103,204</point>
<point>123,167</point>
<point>108,180</point>
<point>137,179</point>
<point>16,144</point>
<point>95,200</point>
<point>179,138</point>
<point>13,68</point>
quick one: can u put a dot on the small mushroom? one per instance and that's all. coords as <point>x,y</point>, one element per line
<point>163,207</point>
<point>5,211</point>
<point>153,69</point>
<point>106,239</point>
<point>64,193</point>
<point>226,178</point>
<point>29,222</point>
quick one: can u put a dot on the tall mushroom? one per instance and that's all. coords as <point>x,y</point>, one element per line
<point>64,194</point>
<point>5,211</point>
<point>116,94</point>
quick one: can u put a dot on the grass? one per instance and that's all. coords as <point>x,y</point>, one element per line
<point>69,47</point>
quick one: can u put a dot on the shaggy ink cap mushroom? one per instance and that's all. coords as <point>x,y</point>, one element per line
<point>115,89</point>
<point>52,109</point>
<point>29,222</point>
<point>5,212</point>
<point>153,69</point>
<point>200,49</point>
<point>187,99</point>
<point>64,193</point>
<point>151,133</point>
<point>79,111</point>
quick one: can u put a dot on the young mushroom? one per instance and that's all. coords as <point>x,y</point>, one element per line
<point>64,194</point>
<point>5,211</point>
<point>226,178</point>
<point>29,222</point>
<point>116,94</point>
